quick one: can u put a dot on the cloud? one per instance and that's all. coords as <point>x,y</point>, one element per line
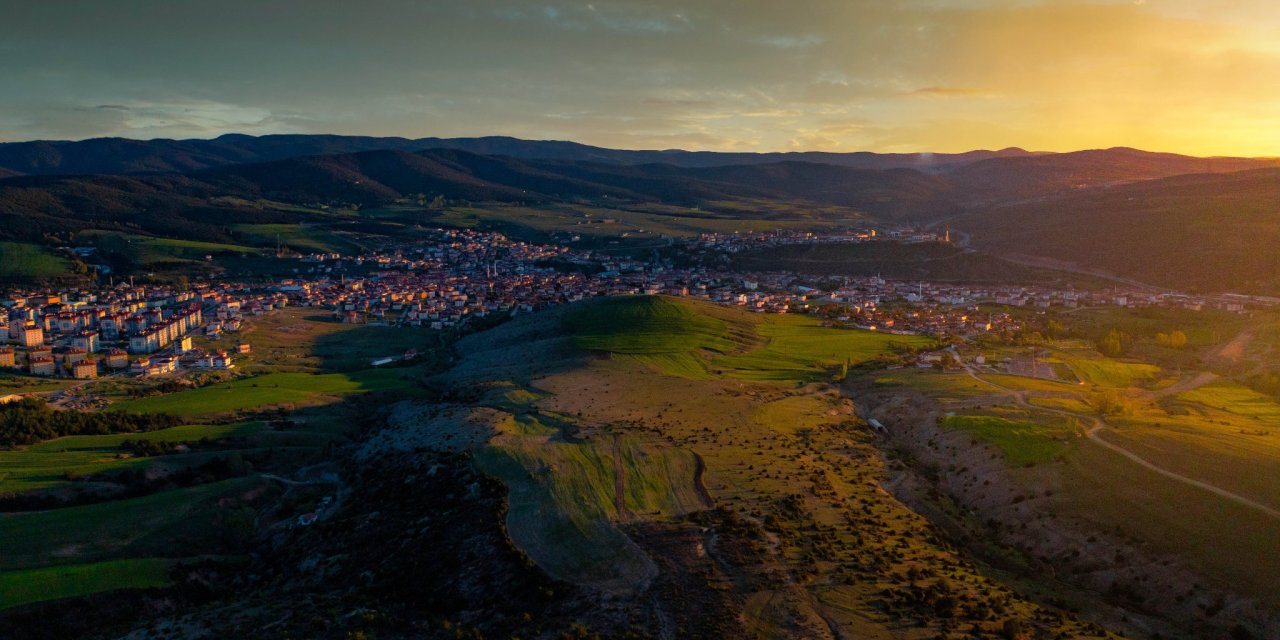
<point>939,75</point>
<point>943,91</point>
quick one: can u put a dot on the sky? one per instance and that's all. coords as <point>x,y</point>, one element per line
<point>1189,76</point>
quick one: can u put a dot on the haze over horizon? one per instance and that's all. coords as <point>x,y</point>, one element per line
<point>917,76</point>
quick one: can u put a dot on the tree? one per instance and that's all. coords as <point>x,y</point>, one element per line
<point>1112,345</point>
<point>1177,340</point>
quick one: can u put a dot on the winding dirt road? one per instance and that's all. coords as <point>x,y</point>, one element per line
<point>1094,435</point>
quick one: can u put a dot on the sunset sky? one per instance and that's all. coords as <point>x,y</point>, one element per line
<point>1190,76</point>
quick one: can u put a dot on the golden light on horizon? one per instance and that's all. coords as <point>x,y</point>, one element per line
<point>1185,76</point>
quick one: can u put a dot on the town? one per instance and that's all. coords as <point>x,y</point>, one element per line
<point>461,275</point>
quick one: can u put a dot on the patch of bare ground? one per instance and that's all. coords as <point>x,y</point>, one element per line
<point>1010,518</point>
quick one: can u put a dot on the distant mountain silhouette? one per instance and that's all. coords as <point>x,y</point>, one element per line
<point>1207,232</point>
<point>124,156</point>
<point>1163,218</point>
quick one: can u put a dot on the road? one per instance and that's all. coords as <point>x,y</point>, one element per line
<point>1094,435</point>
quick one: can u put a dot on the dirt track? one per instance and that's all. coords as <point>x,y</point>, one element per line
<point>1094,435</point>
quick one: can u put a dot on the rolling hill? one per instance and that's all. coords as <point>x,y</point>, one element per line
<point>1020,178</point>
<point>123,156</point>
<point>1127,212</point>
<point>1205,232</point>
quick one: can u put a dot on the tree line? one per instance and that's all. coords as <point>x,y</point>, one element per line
<point>32,420</point>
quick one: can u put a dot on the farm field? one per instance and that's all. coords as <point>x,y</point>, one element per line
<point>1195,425</point>
<point>799,348</point>
<point>152,525</point>
<point>22,262</point>
<point>1022,442</point>
<point>148,251</point>
<point>56,462</point>
<point>597,226</point>
<point>1230,544</point>
<point>67,581</point>
<point>1236,399</point>
<point>566,521</point>
<point>298,237</point>
<point>1106,372</point>
<point>267,390</point>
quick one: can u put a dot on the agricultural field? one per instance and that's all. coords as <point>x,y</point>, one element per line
<point>22,262</point>
<point>1107,372</point>
<point>57,462</point>
<point>799,348</point>
<point>67,581</point>
<point>1140,442</point>
<point>154,525</point>
<point>1236,399</point>
<point>566,496</point>
<point>290,390</point>
<point>153,252</point>
<point>1021,441</point>
<point>303,238</point>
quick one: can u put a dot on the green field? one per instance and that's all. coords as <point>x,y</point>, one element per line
<point>267,390</point>
<point>68,581</point>
<point>1236,399</point>
<point>1106,372</point>
<point>1022,443</point>
<point>51,462</point>
<point>642,224</point>
<point>677,337</point>
<point>147,251</point>
<point>301,238</point>
<point>646,325</point>
<point>939,385</point>
<point>22,262</point>
<point>800,348</point>
<point>158,524</point>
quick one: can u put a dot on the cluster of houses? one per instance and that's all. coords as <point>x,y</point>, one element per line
<point>743,241</point>
<point>458,275</point>
<point>115,329</point>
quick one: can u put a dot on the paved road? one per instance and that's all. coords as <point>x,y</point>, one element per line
<point>1094,434</point>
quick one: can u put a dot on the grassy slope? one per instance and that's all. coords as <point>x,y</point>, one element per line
<point>54,583</point>
<point>137,527</point>
<point>1106,372</point>
<point>22,262</point>
<point>267,390</point>
<point>1021,442</point>
<point>799,348</point>
<point>677,336</point>
<point>46,464</point>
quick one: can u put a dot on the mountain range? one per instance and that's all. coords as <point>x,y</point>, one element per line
<point>1122,210</point>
